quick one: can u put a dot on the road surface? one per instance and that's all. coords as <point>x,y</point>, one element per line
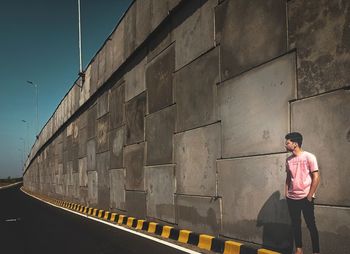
<point>28,225</point>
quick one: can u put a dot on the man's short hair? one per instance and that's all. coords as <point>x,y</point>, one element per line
<point>295,137</point>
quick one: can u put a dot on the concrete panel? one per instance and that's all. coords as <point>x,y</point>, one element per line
<point>143,20</point>
<point>135,79</point>
<point>101,58</point>
<point>196,152</point>
<point>103,104</point>
<point>117,188</point>
<point>160,40</point>
<point>91,155</point>
<point>92,114</point>
<point>85,90</point>
<point>117,106</point>
<point>159,81</point>
<point>254,109</point>
<point>160,128</point>
<point>117,41</point>
<point>130,31</point>
<point>160,188</point>
<point>253,203</point>
<point>159,10</point>
<point>193,31</point>
<point>199,214</point>
<point>253,33</point>
<point>320,32</point>
<point>334,231</point>
<point>136,204</point>
<point>324,121</point>
<point>196,93</point>
<point>102,161</point>
<point>76,185</point>
<point>102,134</point>
<point>92,187</point>
<point>82,142</point>
<point>116,143</point>
<point>109,57</point>
<point>94,76</point>
<point>134,162</point>
<point>135,111</point>
<point>83,177</point>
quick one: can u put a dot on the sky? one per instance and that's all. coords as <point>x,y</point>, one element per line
<point>39,43</point>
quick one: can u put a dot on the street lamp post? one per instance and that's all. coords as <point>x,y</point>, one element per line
<point>37,106</point>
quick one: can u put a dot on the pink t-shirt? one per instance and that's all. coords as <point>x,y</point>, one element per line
<point>300,168</point>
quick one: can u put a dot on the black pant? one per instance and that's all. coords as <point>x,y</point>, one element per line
<point>295,207</point>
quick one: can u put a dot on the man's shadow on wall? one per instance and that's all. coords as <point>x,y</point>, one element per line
<point>274,218</point>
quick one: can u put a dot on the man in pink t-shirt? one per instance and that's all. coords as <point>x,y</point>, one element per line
<point>301,184</point>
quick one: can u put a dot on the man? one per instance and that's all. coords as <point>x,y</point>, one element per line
<point>301,184</point>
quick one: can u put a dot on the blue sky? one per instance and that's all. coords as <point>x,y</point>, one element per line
<point>39,43</point>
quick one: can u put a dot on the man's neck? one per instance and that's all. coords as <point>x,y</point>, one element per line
<point>297,151</point>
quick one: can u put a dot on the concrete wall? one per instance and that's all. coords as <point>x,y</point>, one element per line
<point>182,115</point>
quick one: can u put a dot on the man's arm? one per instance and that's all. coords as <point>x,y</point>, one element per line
<point>287,184</point>
<point>315,181</point>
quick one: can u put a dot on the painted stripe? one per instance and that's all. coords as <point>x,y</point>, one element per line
<point>90,211</point>
<point>126,229</point>
<point>130,221</point>
<point>113,217</point>
<point>106,215</point>
<point>183,236</point>
<point>100,213</point>
<point>139,224</point>
<point>152,227</point>
<point>166,231</point>
<point>205,242</point>
<point>232,247</point>
<point>81,209</point>
<point>120,219</point>
<point>265,251</point>
<point>94,213</point>
<point>85,210</point>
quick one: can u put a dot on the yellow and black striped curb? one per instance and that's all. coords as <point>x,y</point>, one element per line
<point>203,241</point>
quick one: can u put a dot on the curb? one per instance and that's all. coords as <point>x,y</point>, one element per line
<point>203,241</point>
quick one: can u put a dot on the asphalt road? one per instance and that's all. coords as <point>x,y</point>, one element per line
<point>28,225</point>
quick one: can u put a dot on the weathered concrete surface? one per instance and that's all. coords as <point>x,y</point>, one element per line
<point>117,188</point>
<point>130,31</point>
<point>92,115</point>
<point>102,161</point>
<point>196,152</point>
<point>160,188</point>
<point>194,111</point>
<point>83,177</point>
<point>118,47</point>
<point>82,145</point>
<point>253,203</point>
<point>94,76</point>
<point>85,90</point>
<point>159,80</point>
<point>135,82</point>
<point>116,143</point>
<point>117,106</point>
<point>254,109</point>
<point>102,104</point>
<point>193,31</point>
<point>133,162</point>
<point>136,204</point>
<point>253,32</point>
<point>160,128</point>
<point>91,155</point>
<point>92,187</point>
<point>198,213</point>
<point>320,30</point>
<point>135,111</point>
<point>334,230</point>
<point>102,137</point>
<point>143,20</point>
<point>324,122</point>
